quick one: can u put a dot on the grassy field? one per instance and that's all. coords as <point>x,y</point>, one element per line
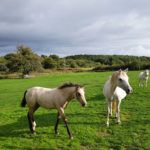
<point>87,124</point>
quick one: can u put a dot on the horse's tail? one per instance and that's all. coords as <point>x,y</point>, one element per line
<point>23,102</point>
<point>114,105</point>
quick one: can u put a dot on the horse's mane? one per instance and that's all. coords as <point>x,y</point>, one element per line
<point>65,85</point>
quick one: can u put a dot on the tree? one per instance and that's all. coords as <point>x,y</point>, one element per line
<point>3,66</point>
<point>24,60</point>
<point>13,62</point>
<point>49,63</point>
<point>28,60</point>
<point>54,57</point>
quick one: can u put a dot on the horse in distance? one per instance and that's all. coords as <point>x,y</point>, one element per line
<point>56,98</point>
<point>143,78</point>
<point>115,89</point>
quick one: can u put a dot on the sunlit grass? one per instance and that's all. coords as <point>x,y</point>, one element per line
<point>87,124</point>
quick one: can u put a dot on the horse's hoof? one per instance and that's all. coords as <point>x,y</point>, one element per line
<point>110,115</point>
<point>118,122</point>
<point>57,133</point>
<point>71,138</point>
<point>33,133</point>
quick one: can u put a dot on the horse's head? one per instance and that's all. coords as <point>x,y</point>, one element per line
<point>147,72</point>
<point>122,81</point>
<point>80,95</point>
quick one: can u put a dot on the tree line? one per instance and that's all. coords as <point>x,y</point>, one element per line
<point>114,62</point>
<point>24,60</point>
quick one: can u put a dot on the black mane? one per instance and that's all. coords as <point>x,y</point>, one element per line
<point>65,85</point>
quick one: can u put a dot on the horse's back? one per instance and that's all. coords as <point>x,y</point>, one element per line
<point>40,95</point>
<point>141,74</point>
<point>37,91</point>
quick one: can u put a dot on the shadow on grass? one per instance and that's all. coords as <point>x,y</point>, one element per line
<point>20,128</point>
<point>25,148</point>
<point>16,129</point>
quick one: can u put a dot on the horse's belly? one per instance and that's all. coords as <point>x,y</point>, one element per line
<point>46,103</point>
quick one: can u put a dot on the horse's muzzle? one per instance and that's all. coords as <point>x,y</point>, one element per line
<point>84,104</point>
<point>129,90</point>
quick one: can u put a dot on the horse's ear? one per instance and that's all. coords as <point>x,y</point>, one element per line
<point>83,85</point>
<point>119,71</point>
<point>126,70</point>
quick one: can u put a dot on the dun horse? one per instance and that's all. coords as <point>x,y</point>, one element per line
<point>115,89</point>
<point>56,98</point>
<point>143,78</point>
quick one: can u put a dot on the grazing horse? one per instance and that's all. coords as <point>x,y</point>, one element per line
<point>115,89</point>
<point>143,78</point>
<point>56,98</point>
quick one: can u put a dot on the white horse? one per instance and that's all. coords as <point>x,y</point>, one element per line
<point>143,78</point>
<point>115,89</point>
<point>56,98</point>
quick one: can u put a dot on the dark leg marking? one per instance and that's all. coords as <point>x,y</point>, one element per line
<point>57,122</point>
<point>30,123</point>
<point>69,133</point>
<point>31,118</point>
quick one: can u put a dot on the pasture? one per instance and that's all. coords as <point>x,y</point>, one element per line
<point>88,125</point>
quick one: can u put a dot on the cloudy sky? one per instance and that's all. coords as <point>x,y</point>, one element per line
<point>67,27</point>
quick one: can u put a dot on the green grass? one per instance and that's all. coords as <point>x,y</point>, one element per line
<point>87,124</point>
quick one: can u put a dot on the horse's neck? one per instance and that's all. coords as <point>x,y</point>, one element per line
<point>144,75</point>
<point>68,93</point>
<point>112,87</point>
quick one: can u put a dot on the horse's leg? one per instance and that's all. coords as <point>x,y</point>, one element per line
<point>108,111</point>
<point>111,108</point>
<point>116,115</point>
<point>32,123</point>
<point>146,82</point>
<point>58,119</point>
<point>114,107</point>
<point>30,114</point>
<point>57,122</point>
<point>118,111</point>
<point>61,111</point>
<point>143,83</point>
<point>139,82</point>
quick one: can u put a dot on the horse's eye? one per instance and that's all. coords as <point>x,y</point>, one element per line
<point>78,94</point>
<point>120,80</point>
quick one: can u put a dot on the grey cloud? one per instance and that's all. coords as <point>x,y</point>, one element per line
<point>76,26</point>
